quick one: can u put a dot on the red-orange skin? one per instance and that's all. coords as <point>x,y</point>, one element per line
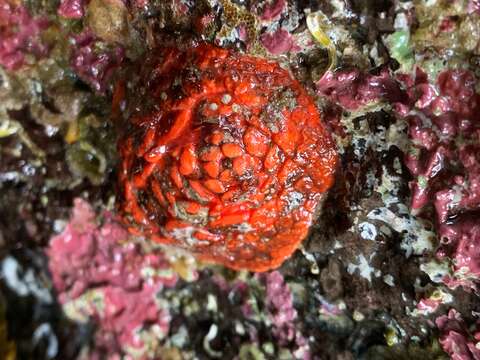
<point>233,182</point>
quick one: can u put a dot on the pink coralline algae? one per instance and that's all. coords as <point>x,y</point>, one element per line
<point>444,157</point>
<point>464,237</point>
<point>456,340</point>
<point>445,161</point>
<point>181,7</point>
<point>278,42</point>
<point>352,89</point>
<point>93,65</point>
<point>90,256</point>
<point>72,9</point>
<point>282,314</point>
<point>273,9</point>
<point>276,306</point>
<point>428,305</point>
<point>19,35</point>
<point>474,6</point>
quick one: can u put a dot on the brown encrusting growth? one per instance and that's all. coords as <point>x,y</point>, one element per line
<point>225,156</point>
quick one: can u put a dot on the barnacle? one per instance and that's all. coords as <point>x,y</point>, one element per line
<point>224,155</point>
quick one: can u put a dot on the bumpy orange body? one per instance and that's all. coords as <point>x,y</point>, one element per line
<point>224,155</point>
